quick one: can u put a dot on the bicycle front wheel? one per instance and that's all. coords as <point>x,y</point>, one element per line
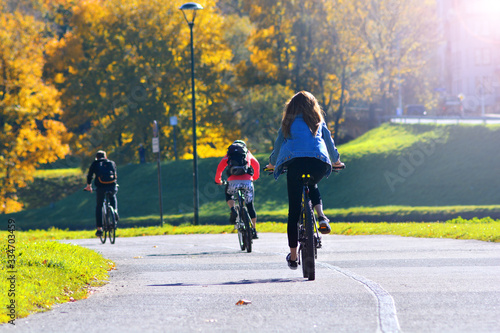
<point>308,263</point>
<point>111,225</point>
<point>241,237</point>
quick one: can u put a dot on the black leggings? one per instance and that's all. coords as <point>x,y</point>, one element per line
<point>298,166</point>
<point>251,210</point>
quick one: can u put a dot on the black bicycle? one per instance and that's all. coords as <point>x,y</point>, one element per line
<point>243,221</point>
<point>309,239</point>
<point>108,219</point>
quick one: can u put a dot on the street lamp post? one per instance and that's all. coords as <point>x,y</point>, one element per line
<point>191,8</point>
<point>156,149</point>
<point>173,123</point>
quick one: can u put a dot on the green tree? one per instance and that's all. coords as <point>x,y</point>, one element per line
<point>259,114</point>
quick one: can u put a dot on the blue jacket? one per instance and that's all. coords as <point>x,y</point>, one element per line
<point>302,143</point>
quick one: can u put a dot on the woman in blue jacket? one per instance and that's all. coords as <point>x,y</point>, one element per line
<point>304,145</point>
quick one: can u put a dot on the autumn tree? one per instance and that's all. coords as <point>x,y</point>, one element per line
<point>349,79</point>
<point>31,132</point>
<point>341,51</point>
<point>290,48</point>
<point>123,64</point>
<point>400,37</point>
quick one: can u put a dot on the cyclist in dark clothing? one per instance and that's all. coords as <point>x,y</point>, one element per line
<point>105,180</point>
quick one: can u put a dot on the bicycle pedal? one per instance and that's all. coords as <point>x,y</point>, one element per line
<point>317,241</point>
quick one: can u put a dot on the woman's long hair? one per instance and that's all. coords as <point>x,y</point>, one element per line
<point>306,104</point>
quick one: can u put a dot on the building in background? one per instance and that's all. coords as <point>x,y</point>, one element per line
<point>470,56</point>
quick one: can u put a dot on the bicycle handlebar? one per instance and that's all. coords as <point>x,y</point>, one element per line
<point>334,169</point>
<point>93,188</point>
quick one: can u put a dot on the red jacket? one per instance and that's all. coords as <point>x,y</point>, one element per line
<point>250,160</point>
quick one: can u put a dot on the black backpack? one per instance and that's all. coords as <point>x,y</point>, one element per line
<point>106,172</point>
<point>237,164</point>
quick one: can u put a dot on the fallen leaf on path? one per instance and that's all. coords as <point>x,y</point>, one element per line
<point>243,302</point>
<point>138,257</point>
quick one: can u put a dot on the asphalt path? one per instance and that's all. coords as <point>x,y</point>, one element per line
<point>191,283</point>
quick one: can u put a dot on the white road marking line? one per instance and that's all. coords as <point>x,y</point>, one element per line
<point>387,316</point>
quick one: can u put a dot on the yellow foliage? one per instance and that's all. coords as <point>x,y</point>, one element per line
<point>30,135</point>
<point>59,78</point>
<point>212,144</point>
<point>127,137</point>
<point>136,55</point>
<point>10,205</point>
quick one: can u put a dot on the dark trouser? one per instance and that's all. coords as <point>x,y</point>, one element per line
<point>298,166</point>
<point>100,192</point>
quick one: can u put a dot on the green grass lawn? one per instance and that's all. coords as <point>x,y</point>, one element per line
<point>394,173</point>
<point>485,229</point>
<point>46,273</point>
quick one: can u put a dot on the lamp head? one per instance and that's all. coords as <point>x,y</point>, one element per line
<point>190,8</point>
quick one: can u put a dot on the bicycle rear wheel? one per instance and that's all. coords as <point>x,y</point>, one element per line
<point>308,251</point>
<point>111,225</point>
<point>104,226</point>
<point>248,230</point>
<point>302,249</point>
<point>241,231</point>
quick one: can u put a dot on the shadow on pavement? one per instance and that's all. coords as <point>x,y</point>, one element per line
<point>230,283</point>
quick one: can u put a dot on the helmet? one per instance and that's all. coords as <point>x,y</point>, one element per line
<point>241,142</point>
